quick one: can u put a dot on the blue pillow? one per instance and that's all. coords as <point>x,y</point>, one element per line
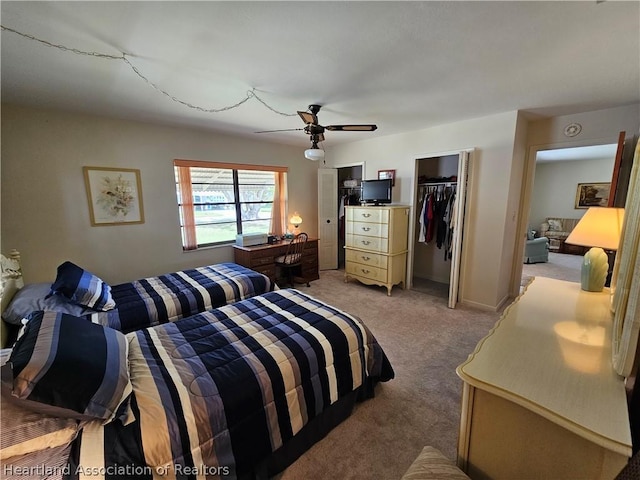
<point>82,287</point>
<point>77,367</point>
<point>36,296</point>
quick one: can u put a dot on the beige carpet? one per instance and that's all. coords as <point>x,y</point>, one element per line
<point>560,266</point>
<point>425,342</point>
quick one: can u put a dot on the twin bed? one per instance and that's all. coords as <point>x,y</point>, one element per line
<point>238,391</point>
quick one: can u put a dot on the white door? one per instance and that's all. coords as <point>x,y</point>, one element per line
<point>328,218</point>
<point>456,252</point>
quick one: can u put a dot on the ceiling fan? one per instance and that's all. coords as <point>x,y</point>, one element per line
<point>316,131</point>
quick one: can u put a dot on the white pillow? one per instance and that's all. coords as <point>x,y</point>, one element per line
<point>555,225</point>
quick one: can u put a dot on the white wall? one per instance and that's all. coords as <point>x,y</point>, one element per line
<point>491,172</point>
<point>45,213</point>
<point>599,127</point>
<point>555,185</point>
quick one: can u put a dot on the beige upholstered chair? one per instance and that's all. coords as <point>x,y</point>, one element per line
<point>431,464</point>
<point>292,260</point>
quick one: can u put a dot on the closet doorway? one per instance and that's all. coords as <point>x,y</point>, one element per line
<point>349,180</point>
<point>440,197</point>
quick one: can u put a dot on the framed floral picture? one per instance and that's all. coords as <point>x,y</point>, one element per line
<point>114,194</point>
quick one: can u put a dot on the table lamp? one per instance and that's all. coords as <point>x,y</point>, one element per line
<point>599,228</point>
<point>295,220</point>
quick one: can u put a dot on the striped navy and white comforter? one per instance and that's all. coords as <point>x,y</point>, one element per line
<point>218,392</point>
<point>166,298</point>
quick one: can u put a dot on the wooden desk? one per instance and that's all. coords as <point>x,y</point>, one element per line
<point>541,399</point>
<point>261,258</point>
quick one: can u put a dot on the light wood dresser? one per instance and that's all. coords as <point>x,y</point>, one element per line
<point>376,245</point>
<point>540,397</point>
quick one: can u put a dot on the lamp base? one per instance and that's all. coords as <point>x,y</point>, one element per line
<point>595,266</point>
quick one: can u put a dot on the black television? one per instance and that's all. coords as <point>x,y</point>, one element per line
<point>376,191</point>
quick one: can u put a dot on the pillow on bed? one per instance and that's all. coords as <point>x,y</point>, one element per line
<point>35,296</point>
<point>25,431</point>
<point>78,367</point>
<point>82,287</point>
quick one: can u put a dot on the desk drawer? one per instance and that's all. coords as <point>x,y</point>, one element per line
<point>373,244</point>
<point>268,270</point>
<point>260,261</point>
<point>366,258</point>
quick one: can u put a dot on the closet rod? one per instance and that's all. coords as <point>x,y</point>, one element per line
<point>428,184</point>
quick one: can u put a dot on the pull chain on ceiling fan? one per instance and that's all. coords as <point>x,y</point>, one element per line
<point>316,131</point>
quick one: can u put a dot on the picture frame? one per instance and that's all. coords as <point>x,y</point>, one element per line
<point>593,194</point>
<point>114,196</point>
<point>384,174</point>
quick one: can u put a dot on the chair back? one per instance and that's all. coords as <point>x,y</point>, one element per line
<point>295,248</point>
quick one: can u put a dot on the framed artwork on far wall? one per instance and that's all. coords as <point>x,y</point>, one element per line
<point>592,195</point>
<point>384,174</point>
<point>114,195</point>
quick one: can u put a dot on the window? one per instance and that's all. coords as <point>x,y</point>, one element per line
<point>217,201</point>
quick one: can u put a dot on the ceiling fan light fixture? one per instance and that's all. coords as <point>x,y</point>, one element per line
<point>314,154</point>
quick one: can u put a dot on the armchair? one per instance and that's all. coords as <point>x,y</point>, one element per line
<point>536,250</point>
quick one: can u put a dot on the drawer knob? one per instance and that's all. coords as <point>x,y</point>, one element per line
<point>365,258</point>
<point>366,215</point>
<point>365,242</point>
<point>366,229</point>
<point>364,270</point>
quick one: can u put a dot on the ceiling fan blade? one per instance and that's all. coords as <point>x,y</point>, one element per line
<point>282,130</point>
<point>308,118</point>
<point>351,128</point>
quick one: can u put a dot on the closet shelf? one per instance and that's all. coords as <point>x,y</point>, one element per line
<point>428,184</point>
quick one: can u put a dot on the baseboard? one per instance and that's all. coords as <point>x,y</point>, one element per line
<point>479,306</point>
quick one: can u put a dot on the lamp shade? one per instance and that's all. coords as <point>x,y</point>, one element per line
<point>314,154</point>
<point>599,227</point>
<point>295,219</point>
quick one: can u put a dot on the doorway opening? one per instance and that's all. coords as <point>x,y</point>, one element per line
<point>349,182</point>
<point>554,208</point>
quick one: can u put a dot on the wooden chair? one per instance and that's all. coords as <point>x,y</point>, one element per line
<point>292,260</point>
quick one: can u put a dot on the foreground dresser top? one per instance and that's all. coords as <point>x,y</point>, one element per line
<point>551,353</point>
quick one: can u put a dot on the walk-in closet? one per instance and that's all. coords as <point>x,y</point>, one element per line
<point>438,221</point>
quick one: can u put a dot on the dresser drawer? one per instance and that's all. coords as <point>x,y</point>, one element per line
<point>374,244</point>
<point>368,229</point>
<point>369,215</point>
<point>366,258</point>
<point>365,271</point>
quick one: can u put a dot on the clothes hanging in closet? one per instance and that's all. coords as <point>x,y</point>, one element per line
<point>345,200</point>
<point>437,217</point>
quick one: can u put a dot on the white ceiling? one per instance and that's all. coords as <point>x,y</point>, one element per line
<point>402,65</point>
